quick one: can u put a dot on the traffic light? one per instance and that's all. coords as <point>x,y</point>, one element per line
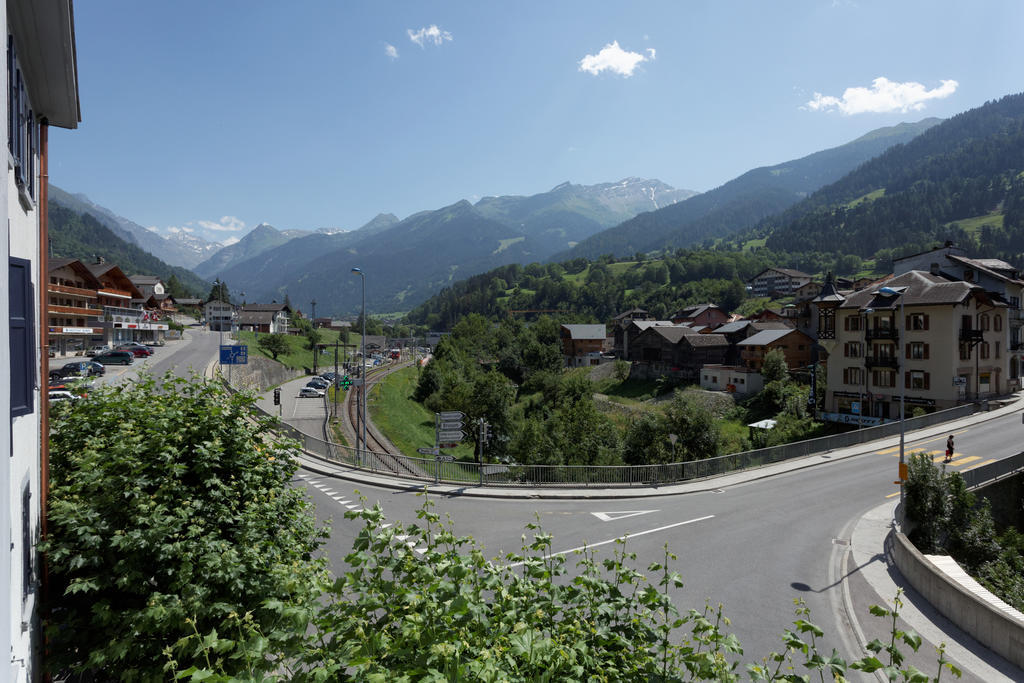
<point>277,397</point>
<point>346,382</point>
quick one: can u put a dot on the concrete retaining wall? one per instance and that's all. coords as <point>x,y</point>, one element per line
<point>1000,632</point>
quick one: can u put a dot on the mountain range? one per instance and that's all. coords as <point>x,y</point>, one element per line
<point>744,201</point>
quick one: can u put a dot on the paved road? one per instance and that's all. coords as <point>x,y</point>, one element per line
<point>754,547</point>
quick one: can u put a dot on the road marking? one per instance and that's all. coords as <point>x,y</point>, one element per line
<point>893,495</point>
<point>982,464</point>
<point>966,461</point>
<point>908,447</point>
<point>619,538</point>
<point>620,514</point>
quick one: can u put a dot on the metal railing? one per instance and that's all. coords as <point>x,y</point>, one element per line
<point>984,474</point>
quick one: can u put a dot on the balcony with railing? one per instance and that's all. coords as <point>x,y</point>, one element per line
<point>882,333</point>
<point>77,311</point>
<point>74,291</point>
<point>881,362</point>
<point>1015,314</point>
<point>116,293</point>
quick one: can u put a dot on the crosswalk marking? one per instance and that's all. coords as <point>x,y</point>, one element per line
<point>966,461</point>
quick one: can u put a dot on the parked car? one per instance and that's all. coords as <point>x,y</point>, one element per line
<point>98,348</point>
<point>115,358</point>
<point>137,351</point>
<point>61,395</point>
<point>318,383</point>
<point>328,376</point>
<point>78,368</point>
<point>310,392</point>
<point>158,342</point>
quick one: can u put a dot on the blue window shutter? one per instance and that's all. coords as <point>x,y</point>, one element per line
<point>22,337</point>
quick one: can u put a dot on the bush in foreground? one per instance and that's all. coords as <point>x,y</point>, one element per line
<point>171,514</point>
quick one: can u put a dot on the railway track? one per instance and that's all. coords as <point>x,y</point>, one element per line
<point>378,449</point>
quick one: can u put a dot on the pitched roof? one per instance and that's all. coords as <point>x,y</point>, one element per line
<point>922,289</point>
<point>265,308</point>
<point>692,311</point>
<point>673,333</point>
<point>765,337</point>
<point>785,271</point>
<point>644,324</point>
<point>712,339</point>
<point>144,279</point>
<point>586,331</point>
<point>630,313</point>
<point>255,317</point>
<point>1001,270</point>
<point>730,328</point>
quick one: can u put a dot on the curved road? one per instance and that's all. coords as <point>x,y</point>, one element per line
<point>754,546</point>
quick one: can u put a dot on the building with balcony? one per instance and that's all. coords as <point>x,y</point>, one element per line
<point>41,86</point>
<point>997,277</point>
<point>219,315</point>
<point>124,317</point>
<point>948,347</point>
<point>777,282</point>
<point>267,318</point>
<point>74,315</point>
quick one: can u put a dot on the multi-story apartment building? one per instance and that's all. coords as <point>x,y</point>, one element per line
<point>937,342</point>
<point>996,276</point>
<point>777,281</point>
<point>41,86</point>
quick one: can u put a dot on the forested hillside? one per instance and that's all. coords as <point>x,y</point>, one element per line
<point>580,290</point>
<point>744,201</point>
<point>961,180</point>
<point>81,236</point>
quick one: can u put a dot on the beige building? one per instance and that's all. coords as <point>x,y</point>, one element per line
<point>935,341</point>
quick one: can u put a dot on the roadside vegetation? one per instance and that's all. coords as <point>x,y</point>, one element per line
<point>511,375</point>
<point>296,351</point>
<point>950,520</point>
<point>178,550</point>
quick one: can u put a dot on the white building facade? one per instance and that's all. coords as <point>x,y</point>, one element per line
<point>41,83</point>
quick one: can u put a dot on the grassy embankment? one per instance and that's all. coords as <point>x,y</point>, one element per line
<point>299,355</point>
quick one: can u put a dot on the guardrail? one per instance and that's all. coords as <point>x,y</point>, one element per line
<point>514,474</point>
<point>985,474</point>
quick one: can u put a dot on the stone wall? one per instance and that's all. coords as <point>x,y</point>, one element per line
<point>259,374</point>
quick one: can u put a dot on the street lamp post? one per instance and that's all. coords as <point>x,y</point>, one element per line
<point>900,292</point>
<point>312,320</point>
<point>362,370</point>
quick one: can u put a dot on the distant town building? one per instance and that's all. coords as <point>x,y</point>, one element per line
<point>219,315</point>
<point>273,318</point>
<point>794,344</point>
<point>778,282</point>
<point>702,315</point>
<point>734,379</point>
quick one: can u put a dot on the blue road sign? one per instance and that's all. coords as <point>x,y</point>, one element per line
<point>234,355</point>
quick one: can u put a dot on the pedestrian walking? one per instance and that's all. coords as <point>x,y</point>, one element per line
<point>949,448</point>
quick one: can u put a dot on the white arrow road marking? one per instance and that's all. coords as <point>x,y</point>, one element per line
<point>620,514</point>
<point>613,540</point>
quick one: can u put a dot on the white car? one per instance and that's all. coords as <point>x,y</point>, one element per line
<point>310,392</point>
<point>62,395</point>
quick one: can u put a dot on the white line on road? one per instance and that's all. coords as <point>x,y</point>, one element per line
<point>613,540</point>
<point>620,514</point>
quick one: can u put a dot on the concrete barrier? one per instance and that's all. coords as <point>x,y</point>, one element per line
<point>999,631</point>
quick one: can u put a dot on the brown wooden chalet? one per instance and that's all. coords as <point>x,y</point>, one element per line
<point>676,351</point>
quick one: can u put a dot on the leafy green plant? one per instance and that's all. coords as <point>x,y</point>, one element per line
<point>170,515</point>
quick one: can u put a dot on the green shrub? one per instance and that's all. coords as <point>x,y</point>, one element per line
<point>171,514</point>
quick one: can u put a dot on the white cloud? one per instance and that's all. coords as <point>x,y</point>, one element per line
<point>390,50</point>
<point>613,58</point>
<point>883,96</point>
<point>229,241</point>
<point>430,34</point>
<point>188,230</point>
<point>153,228</point>
<point>225,224</point>
<point>174,231</point>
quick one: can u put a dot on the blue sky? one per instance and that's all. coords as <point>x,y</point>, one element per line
<point>216,116</point>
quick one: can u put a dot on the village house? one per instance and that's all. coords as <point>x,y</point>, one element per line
<point>700,316</point>
<point>675,351</point>
<point>794,344</point>
<point>626,335</point>
<point>583,344</point>
<point>733,379</point>
<point>219,315</point>
<point>264,318</point>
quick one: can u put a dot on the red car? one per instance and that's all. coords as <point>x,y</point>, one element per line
<point>137,351</point>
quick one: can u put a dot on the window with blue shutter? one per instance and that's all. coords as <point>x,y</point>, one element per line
<point>22,336</point>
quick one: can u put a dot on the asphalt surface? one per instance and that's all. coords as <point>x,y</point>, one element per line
<point>754,542</point>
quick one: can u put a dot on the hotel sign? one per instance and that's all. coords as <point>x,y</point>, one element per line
<point>846,418</point>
